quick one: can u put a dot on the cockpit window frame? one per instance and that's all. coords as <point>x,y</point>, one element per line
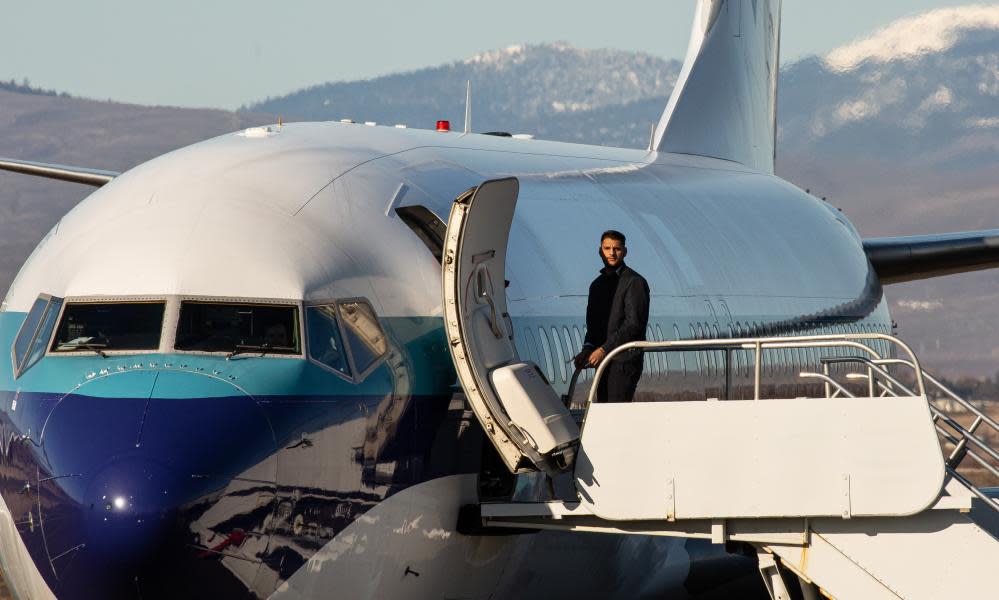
<point>349,377</point>
<point>170,335</point>
<point>355,376</point>
<point>19,367</point>
<point>171,316</point>
<point>83,351</point>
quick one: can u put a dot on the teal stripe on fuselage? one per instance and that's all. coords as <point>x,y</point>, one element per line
<point>549,341</point>
<point>420,339</point>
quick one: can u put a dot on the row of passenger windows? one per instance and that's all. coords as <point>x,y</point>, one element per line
<point>553,347</point>
<point>343,336</point>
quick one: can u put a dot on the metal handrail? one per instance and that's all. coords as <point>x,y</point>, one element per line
<point>758,345</point>
<point>973,488</point>
<point>937,413</point>
<point>877,377</point>
<point>950,393</point>
<point>828,381</point>
<point>966,436</point>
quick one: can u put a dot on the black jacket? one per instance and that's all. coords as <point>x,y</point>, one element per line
<point>618,310</point>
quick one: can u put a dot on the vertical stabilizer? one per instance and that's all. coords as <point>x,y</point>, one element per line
<point>725,101</point>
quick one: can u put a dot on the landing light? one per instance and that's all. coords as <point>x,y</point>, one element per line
<point>443,125</point>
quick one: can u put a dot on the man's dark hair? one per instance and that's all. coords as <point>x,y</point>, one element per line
<point>614,235</point>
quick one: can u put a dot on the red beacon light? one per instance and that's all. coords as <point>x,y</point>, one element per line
<point>443,125</point>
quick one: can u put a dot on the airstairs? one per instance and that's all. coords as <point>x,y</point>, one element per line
<point>853,492</point>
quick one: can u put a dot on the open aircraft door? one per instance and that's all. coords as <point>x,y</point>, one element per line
<point>518,409</point>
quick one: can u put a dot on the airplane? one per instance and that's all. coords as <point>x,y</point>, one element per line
<point>232,376</point>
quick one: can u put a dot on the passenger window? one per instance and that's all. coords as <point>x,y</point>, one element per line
<point>558,352</point>
<point>532,347</point>
<point>663,356</point>
<point>325,344</point>
<point>720,359</point>
<point>683,360</point>
<point>100,326</point>
<point>550,367</point>
<point>365,337</point>
<point>650,358</point>
<point>567,337</point>
<point>585,374</point>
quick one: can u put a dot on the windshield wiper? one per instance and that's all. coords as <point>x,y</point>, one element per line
<point>98,348</point>
<point>254,349</point>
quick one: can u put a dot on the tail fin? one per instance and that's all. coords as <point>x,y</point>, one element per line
<point>724,104</point>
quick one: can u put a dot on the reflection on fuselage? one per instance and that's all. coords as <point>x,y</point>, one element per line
<point>695,375</point>
<point>288,489</point>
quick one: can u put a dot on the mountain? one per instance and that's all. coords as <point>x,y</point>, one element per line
<point>930,78</point>
<point>54,128</point>
<point>516,89</point>
<point>899,130</point>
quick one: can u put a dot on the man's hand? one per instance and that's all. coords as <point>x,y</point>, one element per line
<point>580,359</point>
<point>596,357</point>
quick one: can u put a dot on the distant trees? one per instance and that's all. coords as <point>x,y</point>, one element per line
<point>972,388</point>
<point>24,87</point>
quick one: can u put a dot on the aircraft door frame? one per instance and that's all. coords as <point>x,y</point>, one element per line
<point>517,407</point>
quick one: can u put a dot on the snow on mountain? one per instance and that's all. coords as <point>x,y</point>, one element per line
<point>900,130</point>
<point>916,36</point>
<point>924,88</point>
<point>513,89</point>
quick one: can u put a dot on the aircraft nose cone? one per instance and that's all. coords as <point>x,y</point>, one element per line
<point>127,509</point>
<point>141,495</point>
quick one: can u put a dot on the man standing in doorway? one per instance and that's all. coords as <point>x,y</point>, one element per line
<point>617,313</point>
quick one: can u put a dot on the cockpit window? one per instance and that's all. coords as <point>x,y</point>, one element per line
<point>325,344</point>
<point>364,334</point>
<point>27,331</point>
<point>238,328</point>
<point>41,340</point>
<point>33,337</point>
<point>109,326</point>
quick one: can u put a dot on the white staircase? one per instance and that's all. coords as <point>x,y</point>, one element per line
<point>846,495</point>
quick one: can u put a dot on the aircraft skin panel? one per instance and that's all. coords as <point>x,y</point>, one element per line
<point>332,449</point>
<point>19,569</point>
<point>396,424</point>
<point>409,531</point>
<point>328,242</point>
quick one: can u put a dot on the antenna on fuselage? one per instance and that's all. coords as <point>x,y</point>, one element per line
<point>468,106</point>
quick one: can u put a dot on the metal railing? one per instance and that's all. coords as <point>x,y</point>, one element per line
<point>758,345</point>
<point>880,383</point>
<point>966,442</point>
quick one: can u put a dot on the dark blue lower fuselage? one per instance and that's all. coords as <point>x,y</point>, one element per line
<point>193,476</point>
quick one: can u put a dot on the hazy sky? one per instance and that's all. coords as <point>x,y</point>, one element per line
<point>224,53</point>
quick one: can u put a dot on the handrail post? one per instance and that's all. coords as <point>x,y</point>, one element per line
<point>756,370</point>
<point>825,371</point>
